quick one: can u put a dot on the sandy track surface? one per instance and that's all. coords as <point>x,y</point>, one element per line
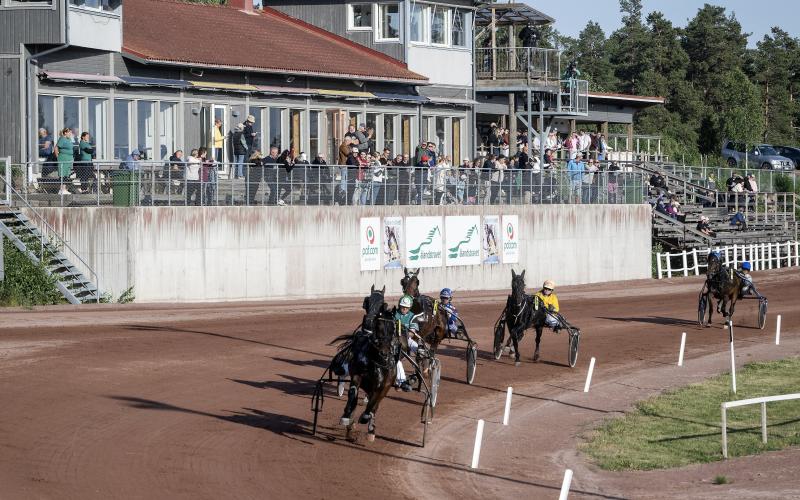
<point>213,401</point>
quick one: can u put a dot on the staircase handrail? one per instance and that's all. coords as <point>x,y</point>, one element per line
<point>697,190</point>
<point>42,223</point>
<point>687,229</point>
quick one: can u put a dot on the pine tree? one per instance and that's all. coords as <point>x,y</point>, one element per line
<point>593,60</point>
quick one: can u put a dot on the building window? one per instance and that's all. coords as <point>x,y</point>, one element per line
<point>388,22</point>
<point>359,16</point>
<point>456,141</point>
<point>96,125</point>
<point>72,116</point>
<point>258,126</point>
<point>388,133</point>
<point>275,131</point>
<point>101,5</point>
<point>441,142</point>
<point>313,134</point>
<point>166,122</point>
<point>406,135</point>
<point>459,29</point>
<point>46,125</point>
<point>121,129</point>
<point>439,25</point>
<point>296,131</point>
<point>145,129</point>
<point>28,3</point>
<point>419,23</point>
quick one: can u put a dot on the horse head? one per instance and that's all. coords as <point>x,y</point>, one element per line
<point>518,286</point>
<point>410,282</point>
<point>373,306</point>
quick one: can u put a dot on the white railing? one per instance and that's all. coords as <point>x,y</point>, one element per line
<point>760,255</point>
<point>744,402</point>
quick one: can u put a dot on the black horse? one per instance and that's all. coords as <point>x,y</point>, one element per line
<point>723,285</point>
<point>370,356</point>
<point>522,311</point>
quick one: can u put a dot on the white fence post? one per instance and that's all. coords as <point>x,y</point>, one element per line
<point>476,451</point>
<point>565,485</point>
<point>696,262</point>
<point>669,266</point>
<point>589,376</point>
<point>685,264</point>
<point>733,358</point>
<point>683,345</point>
<point>658,264</point>
<point>724,431</point>
<point>508,406</point>
<point>778,331</point>
<point>734,255</point>
<point>764,422</point>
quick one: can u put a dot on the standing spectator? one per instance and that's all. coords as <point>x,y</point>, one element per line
<point>208,177</point>
<point>613,183</point>
<point>305,177</point>
<point>240,148</point>
<point>462,178</point>
<point>552,140</point>
<point>585,142</point>
<point>85,155</point>
<point>250,134</point>
<point>439,178</point>
<point>589,187</point>
<point>173,172</point>
<point>496,179</point>
<point>495,139</point>
<point>420,151</point>
<point>219,140</point>
<point>324,176</point>
<point>361,136</point>
<point>265,168</point>
<point>377,172</point>
<point>66,156</point>
<point>570,144</point>
<point>345,150</point>
<point>349,180</point>
<point>351,132</point>
<point>285,178</point>
<point>575,168</point>
<point>193,166</point>
<point>370,133</point>
<point>45,144</point>
<point>602,147</point>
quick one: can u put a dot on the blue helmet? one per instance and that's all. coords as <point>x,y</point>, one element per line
<point>446,293</point>
<point>746,266</point>
<point>715,254</point>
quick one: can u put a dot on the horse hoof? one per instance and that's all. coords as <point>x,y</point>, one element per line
<point>350,437</point>
<point>344,421</point>
<point>535,358</point>
<point>517,363</point>
<point>371,437</point>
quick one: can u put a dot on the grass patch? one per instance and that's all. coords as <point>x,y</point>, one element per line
<point>720,480</point>
<point>683,426</point>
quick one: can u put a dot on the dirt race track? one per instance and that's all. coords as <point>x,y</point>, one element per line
<point>213,401</point>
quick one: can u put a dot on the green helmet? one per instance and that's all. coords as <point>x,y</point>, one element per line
<point>406,301</point>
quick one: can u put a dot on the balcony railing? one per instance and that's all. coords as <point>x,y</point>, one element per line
<point>522,63</point>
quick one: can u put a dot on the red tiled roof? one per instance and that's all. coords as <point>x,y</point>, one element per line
<point>170,31</point>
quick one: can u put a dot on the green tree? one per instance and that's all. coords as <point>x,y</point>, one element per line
<point>592,57</point>
<point>775,65</point>
<point>630,46</point>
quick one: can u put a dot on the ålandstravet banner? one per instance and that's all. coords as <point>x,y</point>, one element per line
<point>510,239</point>
<point>424,241</point>
<point>463,236</point>
<point>370,243</point>
<point>392,242</point>
<point>491,239</point>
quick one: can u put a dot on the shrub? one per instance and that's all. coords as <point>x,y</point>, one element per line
<point>25,283</point>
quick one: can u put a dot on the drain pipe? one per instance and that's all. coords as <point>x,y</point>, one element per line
<point>30,62</point>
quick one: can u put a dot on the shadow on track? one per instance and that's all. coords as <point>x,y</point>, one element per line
<point>655,320</point>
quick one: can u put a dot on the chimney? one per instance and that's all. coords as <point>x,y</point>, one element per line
<point>243,5</point>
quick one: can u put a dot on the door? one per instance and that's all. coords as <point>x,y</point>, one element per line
<point>337,121</point>
<point>217,127</point>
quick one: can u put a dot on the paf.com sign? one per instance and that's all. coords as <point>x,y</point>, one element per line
<point>463,236</point>
<point>370,243</point>
<point>424,241</point>
<point>510,239</point>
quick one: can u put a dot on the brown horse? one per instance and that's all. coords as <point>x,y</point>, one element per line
<point>722,284</point>
<point>370,355</point>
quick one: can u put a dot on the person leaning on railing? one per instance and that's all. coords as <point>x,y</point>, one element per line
<point>173,172</point>
<point>84,168</point>
<point>193,165</point>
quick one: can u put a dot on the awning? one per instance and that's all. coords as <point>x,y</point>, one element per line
<point>452,100</point>
<point>400,97</point>
<point>346,93</point>
<point>223,86</point>
<point>272,89</point>
<point>154,82</point>
<point>59,76</point>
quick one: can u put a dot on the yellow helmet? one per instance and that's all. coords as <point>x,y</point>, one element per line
<point>549,284</point>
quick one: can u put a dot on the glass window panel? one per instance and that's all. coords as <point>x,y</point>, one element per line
<point>424,128</point>
<point>456,141</point>
<point>313,134</point>
<point>459,29</point>
<point>145,140</point>
<point>166,122</point>
<point>46,125</point>
<point>418,13</point>
<point>97,125</point>
<point>440,135</point>
<point>72,115</point>
<point>258,126</point>
<point>389,21</point>
<point>361,15</point>
<point>218,127</point>
<point>439,25</point>
<point>388,133</point>
<point>371,123</point>
<point>121,128</point>
<point>275,134</point>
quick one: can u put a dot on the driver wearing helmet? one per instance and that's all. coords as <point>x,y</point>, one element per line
<point>747,281</point>
<point>445,298</point>
<point>410,327</point>
<point>548,297</point>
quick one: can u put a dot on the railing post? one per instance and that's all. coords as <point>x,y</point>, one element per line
<point>8,180</point>
<point>764,422</point>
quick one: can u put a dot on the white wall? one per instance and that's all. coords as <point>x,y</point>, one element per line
<point>95,30</point>
<point>248,253</point>
<point>442,66</point>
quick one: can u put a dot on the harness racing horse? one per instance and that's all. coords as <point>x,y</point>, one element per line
<point>722,284</point>
<point>370,356</point>
<point>522,311</point>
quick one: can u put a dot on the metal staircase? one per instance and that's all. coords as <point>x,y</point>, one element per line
<point>42,244</point>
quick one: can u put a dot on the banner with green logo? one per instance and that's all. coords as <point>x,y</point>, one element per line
<point>491,239</point>
<point>392,242</point>
<point>510,239</point>
<point>370,243</point>
<point>463,236</point>
<point>424,241</point>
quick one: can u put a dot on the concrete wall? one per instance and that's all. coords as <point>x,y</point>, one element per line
<point>249,253</point>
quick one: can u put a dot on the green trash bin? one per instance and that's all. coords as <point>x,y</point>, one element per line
<point>125,187</point>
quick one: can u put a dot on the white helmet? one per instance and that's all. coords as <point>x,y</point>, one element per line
<point>406,301</point>
<point>549,284</point>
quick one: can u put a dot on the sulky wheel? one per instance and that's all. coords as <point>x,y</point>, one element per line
<point>574,340</point>
<point>426,417</point>
<point>702,307</point>
<point>762,313</point>
<point>436,377</point>
<point>499,336</point>
<point>472,360</point>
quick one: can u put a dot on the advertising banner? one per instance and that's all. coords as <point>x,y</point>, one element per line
<point>370,243</point>
<point>424,241</point>
<point>392,242</point>
<point>491,239</point>
<point>510,239</point>
<point>463,237</point>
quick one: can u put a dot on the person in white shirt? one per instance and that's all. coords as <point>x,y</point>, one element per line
<point>193,165</point>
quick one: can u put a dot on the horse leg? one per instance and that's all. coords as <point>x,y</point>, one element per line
<point>538,340</point>
<point>515,340</point>
<point>710,307</point>
<point>352,401</point>
<point>368,416</point>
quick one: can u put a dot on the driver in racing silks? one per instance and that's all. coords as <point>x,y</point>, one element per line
<point>547,296</point>
<point>445,301</point>
<point>748,288</point>
<point>410,328</point>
